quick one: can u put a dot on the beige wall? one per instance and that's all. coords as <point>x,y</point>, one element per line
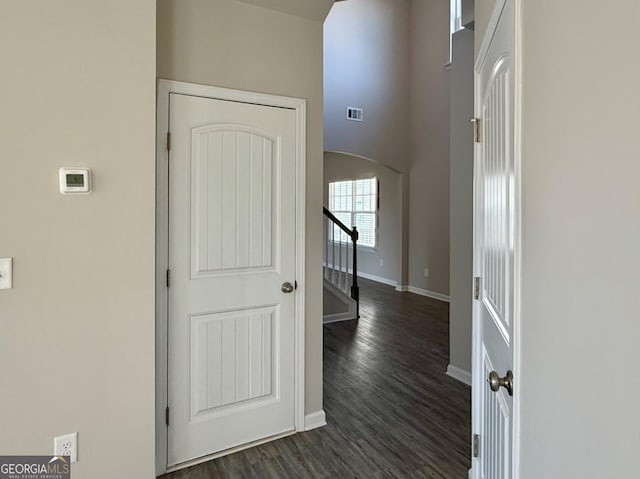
<point>467,13</point>
<point>77,347</point>
<point>231,44</point>
<point>581,255</point>
<point>366,51</point>
<point>388,57</point>
<point>429,145</point>
<point>366,65</point>
<point>581,259</point>
<point>340,166</point>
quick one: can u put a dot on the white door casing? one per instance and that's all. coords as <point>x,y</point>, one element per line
<point>234,340</point>
<point>497,246</point>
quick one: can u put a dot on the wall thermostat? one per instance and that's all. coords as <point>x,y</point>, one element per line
<point>75,181</point>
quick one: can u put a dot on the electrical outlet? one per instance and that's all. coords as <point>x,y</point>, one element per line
<point>381,262</point>
<point>426,272</point>
<point>6,273</point>
<point>66,446</point>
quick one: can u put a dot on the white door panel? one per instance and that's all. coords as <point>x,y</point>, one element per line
<point>231,246</point>
<point>496,215</point>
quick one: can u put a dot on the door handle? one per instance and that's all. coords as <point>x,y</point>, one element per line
<point>495,382</point>
<point>287,287</point>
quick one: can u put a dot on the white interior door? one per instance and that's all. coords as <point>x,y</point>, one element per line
<point>232,183</point>
<point>495,251</point>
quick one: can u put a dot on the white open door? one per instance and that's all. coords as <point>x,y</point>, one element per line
<point>232,240</point>
<point>496,251</point>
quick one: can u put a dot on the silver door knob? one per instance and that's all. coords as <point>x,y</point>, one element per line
<point>287,287</point>
<point>495,382</point>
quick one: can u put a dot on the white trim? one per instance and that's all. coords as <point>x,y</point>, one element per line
<point>474,472</point>
<point>162,264</point>
<point>372,277</point>
<point>300,314</point>
<point>242,447</point>
<point>378,279</point>
<point>429,294</point>
<point>459,374</point>
<point>404,288</point>
<point>334,318</point>
<point>517,253</point>
<point>165,88</point>
<point>315,420</point>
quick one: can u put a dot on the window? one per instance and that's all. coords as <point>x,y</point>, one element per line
<point>455,17</point>
<point>355,203</point>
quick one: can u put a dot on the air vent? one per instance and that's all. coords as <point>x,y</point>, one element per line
<point>354,114</point>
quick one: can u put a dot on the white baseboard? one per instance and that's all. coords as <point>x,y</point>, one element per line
<point>403,288</point>
<point>315,420</point>
<point>429,294</point>
<point>226,452</point>
<point>459,374</point>
<point>372,277</point>
<point>332,318</point>
<point>377,279</point>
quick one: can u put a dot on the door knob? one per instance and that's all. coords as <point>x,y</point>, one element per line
<point>495,381</point>
<point>287,287</point>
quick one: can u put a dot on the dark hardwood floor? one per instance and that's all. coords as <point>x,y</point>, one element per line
<point>391,410</point>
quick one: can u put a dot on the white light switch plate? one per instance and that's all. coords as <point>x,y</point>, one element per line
<point>6,273</point>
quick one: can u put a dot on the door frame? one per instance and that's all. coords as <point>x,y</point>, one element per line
<point>165,88</point>
<point>477,383</point>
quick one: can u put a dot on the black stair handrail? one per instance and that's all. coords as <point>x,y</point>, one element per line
<point>353,235</point>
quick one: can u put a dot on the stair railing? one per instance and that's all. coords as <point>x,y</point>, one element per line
<point>339,242</point>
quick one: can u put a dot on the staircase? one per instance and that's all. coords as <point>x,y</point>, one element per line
<point>340,270</point>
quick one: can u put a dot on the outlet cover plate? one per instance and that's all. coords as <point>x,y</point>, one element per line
<point>6,273</point>
<point>66,446</point>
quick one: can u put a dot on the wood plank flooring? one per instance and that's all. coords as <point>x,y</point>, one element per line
<point>391,410</point>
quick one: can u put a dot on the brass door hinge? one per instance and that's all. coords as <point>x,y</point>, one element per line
<point>476,287</point>
<point>168,141</point>
<point>168,278</point>
<point>166,416</point>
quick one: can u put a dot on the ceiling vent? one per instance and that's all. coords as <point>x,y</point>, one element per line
<point>354,114</point>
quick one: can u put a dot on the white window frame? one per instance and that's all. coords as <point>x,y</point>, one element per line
<point>341,238</point>
<point>455,23</point>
